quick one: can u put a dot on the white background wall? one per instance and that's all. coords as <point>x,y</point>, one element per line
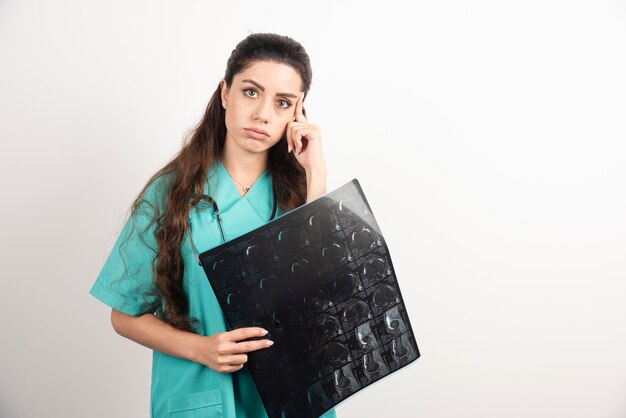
<point>488,136</point>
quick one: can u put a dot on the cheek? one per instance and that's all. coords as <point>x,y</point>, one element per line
<point>233,115</point>
<point>284,120</point>
<point>282,130</point>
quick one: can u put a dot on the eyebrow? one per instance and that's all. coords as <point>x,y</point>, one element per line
<point>263,88</point>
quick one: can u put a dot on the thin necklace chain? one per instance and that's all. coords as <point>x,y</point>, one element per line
<point>244,188</point>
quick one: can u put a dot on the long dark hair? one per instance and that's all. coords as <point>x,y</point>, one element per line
<point>187,171</point>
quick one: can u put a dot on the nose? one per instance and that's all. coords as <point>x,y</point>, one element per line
<point>262,110</point>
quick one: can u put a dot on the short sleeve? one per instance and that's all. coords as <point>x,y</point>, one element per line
<point>126,280</point>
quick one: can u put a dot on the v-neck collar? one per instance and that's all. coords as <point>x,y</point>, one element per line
<point>226,175</point>
<point>222,188</point>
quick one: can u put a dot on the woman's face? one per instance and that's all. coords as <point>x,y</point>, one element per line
<point>262,97</point>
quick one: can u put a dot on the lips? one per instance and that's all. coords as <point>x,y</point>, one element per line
<point>256,133</point>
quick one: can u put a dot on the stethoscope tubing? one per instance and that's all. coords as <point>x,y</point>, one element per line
<point>216,210</point>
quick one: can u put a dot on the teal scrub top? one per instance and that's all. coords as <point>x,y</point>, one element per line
<point>182,388</point>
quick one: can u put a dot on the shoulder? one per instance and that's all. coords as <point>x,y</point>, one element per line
<point>157,189</point>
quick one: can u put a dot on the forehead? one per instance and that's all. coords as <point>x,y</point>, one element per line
<point>273,76</point>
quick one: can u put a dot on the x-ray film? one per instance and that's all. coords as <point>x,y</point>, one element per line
<point>321,281</point>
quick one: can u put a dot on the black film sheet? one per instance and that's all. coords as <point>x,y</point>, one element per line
<point>321,281</point>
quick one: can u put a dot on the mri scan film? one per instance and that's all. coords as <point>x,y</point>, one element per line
<point>321,281</point>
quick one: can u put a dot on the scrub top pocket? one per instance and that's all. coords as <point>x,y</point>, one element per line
<point>207,404</point>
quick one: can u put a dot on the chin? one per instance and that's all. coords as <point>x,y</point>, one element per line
<point>258,145</point>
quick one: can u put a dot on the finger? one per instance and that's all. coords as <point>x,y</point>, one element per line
<point>248,346</point>
<point>294,136</point>
<point>230,369</point>
<point>297,140</point>
<point>289,140</point>
<point>245,333</point>
<point>302,137</point>
<point>299,106</point>
<point>301,144</point>
<point>233,360</point>
<point>291,130</point>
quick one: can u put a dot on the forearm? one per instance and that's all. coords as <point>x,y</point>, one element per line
<point>315,183</point>
<point>152,332</point>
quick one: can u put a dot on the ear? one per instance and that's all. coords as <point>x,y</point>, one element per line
<point>224,92</point>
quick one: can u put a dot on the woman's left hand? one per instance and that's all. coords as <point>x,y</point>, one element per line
<point>305,140</point>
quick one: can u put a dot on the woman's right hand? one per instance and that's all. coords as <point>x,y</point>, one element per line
<point>225,352</point>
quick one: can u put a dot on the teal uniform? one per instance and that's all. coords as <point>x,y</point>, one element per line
<point>182,388</point>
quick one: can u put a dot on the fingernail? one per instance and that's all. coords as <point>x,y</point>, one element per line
<point>270,343</point>
<point>264,332</point>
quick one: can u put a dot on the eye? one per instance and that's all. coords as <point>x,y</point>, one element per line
<point>245,92</point>
<point>285,104</point>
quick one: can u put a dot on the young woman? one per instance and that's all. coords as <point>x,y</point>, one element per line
<point>256,156</point>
